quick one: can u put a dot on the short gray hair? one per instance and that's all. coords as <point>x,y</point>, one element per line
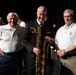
<point>69,11</point>
<point>42,7</point>
<point>12,13</point>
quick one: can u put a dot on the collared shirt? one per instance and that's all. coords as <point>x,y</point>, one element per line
<point>39,23</point>
<point>10,38</point>
<point>66,36</point>
<point>23,24</point>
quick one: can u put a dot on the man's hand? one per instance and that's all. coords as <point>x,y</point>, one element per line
<point>36,51</point>
<point>49,38</point>
<point>61,53</point>
<point>1,52</point>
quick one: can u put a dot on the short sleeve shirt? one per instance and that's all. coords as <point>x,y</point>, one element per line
<point>65,37</point>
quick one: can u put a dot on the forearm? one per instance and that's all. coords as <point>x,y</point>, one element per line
<point>28,46</point>
<point>71,48</point>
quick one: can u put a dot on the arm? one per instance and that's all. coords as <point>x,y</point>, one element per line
<point>59,52</point>
<point>1,51</point>
<point>27,43</point>
<point>64,51</point>
<point>71,48</point>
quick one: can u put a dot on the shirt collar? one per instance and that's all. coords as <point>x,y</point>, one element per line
<point>69,26</point>
<point>39,22</point>
<point>10,27</point>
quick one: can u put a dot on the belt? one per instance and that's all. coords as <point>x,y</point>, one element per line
<point>14,53</point>
<point>68,55</point>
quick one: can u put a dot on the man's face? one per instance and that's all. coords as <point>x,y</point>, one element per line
<point>12,20</point>
<point>68,18</point>
<point>41,15</point>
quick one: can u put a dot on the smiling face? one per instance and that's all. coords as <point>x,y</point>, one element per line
<point>12,19</point>
<point>41,15</point>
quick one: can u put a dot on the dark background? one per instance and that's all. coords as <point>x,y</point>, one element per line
<point>27,9</point>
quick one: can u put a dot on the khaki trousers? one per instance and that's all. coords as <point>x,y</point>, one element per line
<point>70,64</point>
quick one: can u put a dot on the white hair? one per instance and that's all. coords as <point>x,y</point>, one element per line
<point>12,13</point>
<point>43,8</point>
<point>69,11</point>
